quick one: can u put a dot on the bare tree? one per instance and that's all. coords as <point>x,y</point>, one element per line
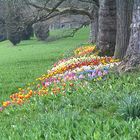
<point>91,11</point>
<point>42,10</point>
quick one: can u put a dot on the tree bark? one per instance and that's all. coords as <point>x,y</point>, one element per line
<point>124,18</point>
<point>94,25</point>
<point>132,57</point>
<point>107,27</point>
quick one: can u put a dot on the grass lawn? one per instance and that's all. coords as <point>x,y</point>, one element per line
<point>91,113</point>
<point>24,63</point>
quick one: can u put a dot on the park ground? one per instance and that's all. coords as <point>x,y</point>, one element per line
<point>91,113</point>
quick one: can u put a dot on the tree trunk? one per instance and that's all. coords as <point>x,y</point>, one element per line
<point>107,27</point>
<point>94,26</point>
<point>124,18</point>
<point>132,57</point>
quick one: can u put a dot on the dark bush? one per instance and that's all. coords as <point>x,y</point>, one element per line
<point>41,30</point>
<point>15,39</point>
<point>27,33</point>
<point>2,32</point>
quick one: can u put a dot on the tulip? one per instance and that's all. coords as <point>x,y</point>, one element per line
<point>1,109</point>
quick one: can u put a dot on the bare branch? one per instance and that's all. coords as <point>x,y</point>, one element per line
<point>53,12</point>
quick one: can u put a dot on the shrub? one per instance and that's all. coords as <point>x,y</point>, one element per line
<point>27,33</point>
<point>41,30</point>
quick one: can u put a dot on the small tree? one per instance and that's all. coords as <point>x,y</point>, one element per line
<point>16,18</point>
<point>12,23</point>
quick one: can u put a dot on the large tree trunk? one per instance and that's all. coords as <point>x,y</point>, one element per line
<point>132,57</point>
<point>107,27</point>
<point>124,18</point>
<point>94,25</point>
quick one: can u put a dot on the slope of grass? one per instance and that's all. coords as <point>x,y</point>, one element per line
<point>86,114</point>
<point>30,59</point>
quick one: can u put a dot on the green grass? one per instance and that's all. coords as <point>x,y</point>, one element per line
<point>58,32</point>
<point>30,59</point>
<point>91,113</point>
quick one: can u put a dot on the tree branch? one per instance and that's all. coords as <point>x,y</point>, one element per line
<point>60,11</point>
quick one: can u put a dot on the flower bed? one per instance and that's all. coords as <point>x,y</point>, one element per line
<point>64,75</point>
<point>84,50</point>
